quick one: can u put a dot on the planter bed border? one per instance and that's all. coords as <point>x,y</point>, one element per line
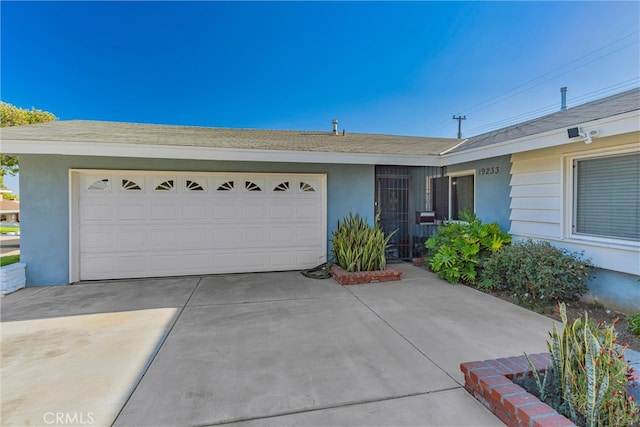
<point>490,382</point>
<point>361,277</point>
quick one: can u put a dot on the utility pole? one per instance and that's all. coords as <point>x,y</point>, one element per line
<point>459,119</point>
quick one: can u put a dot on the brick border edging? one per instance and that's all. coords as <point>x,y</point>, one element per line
<point>490,382</point>
<point>358,278</point>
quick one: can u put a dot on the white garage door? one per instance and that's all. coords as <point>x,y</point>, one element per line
<point>142,224</point>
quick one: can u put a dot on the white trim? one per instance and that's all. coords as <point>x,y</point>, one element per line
<point>212,153</point>
<point>454,147</point>
<point>74,267</point>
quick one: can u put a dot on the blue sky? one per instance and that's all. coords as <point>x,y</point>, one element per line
<point>380,67</point>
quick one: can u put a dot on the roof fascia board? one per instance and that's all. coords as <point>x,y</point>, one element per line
<point>210,153</point>
<point>608,126</point>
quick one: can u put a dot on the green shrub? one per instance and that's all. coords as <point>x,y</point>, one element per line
<point>457,250</point>
<point>590,374</point>
<point>633,323</point>
<point>358,246</point>
<point>538,272</point>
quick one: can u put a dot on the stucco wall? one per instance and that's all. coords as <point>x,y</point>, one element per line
<point>44,196</point>
<point>492,189</point>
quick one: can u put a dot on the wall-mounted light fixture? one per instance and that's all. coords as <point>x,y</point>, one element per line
<point>587,137</point>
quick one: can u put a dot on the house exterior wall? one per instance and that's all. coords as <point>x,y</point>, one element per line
<point>491,186</point>
<point>542,205</point>
<point>44,191</point>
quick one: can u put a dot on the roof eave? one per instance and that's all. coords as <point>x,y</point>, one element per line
<point>88,148</point>
<point>609,126</point>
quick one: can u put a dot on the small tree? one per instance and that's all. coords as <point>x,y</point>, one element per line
<point>11,115</point>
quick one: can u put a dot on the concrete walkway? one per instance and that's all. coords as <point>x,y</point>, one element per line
<point>264,349</point>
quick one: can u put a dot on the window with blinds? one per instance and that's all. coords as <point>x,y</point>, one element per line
<point>607,196</point>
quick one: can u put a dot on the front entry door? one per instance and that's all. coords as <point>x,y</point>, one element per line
<point>393,203</point>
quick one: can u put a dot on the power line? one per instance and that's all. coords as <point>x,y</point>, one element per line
<point>475,108</point>
<point>471,109</point>
<point>609,90</point>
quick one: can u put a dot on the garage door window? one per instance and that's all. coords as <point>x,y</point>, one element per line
<point>100,185</point>
<point>193,186</point>
<point>165,186</point>
<point>227,186</point>
<point>251,186</point>
<point>306,187</point>
<point>130,185</point>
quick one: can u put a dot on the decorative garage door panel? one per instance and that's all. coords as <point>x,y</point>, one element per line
<point>135,224</point>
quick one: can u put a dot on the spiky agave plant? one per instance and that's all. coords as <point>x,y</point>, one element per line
<point>590,373</point>
<point>358,246</point>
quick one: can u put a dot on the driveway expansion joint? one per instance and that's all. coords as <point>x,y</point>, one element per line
<point>327,407</point>
<point>268,301</point>
<point>158,349</point>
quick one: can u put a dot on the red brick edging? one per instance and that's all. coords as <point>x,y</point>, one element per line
<point>490,382</point>
<point>360,277</point>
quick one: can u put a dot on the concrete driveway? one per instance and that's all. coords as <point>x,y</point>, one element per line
<point>255,349</point>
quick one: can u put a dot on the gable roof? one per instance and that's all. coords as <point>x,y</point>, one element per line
<point>602,108</point>
<point>80,132</point>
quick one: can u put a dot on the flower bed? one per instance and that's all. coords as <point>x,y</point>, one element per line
<point>491,383</point>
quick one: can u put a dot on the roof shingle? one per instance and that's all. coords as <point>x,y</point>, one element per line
<point>134,133</point>
<point>606,107</point>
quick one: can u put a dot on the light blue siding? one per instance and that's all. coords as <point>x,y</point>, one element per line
<point>44,195</point>
<point>492,189</point>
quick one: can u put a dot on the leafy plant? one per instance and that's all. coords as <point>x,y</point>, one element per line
<point>457,250</point>
<point>538,273</point>
<point>590,374</point>
<point>633,323</point>
<point>358,246</point>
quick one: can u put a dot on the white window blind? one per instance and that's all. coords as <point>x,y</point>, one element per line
<point>607,196</point>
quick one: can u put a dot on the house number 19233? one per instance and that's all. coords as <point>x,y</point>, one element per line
<point>493,170</point>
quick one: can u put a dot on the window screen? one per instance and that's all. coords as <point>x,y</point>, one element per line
<point>607,196</point>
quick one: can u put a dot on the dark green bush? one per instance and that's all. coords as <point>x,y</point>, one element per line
<point>538,272</point>
<point>457,250</point>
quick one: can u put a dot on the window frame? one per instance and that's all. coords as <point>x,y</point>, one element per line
<point>571,200</point>
<point>466,172</point>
